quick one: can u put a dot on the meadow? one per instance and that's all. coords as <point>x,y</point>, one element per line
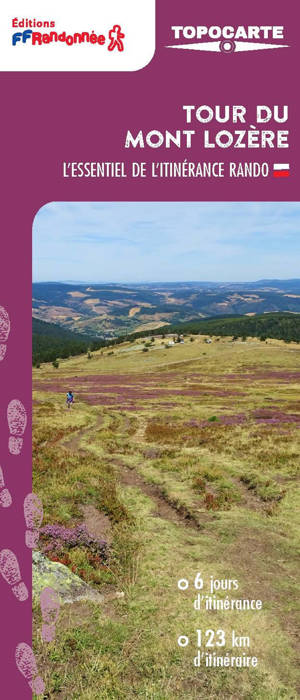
<point>181,459</point>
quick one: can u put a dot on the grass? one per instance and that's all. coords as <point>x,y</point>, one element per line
<point>232,487</point>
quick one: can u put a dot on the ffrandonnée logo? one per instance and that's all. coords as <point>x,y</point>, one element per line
<point>228,39</point>
<point>80,36</point>
<point>34,32</point>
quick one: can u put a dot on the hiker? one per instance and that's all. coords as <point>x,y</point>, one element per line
<point>70,399</point>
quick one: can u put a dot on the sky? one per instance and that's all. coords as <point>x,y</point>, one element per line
<point>166,241</point>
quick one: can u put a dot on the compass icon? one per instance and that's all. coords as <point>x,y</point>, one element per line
<point>227,46</point>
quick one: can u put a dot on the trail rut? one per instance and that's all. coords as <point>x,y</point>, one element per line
<point>73,443</point>
<point>162,508</point>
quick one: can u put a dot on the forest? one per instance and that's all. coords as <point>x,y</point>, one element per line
<point>283,326</point>
<point>50,341</point>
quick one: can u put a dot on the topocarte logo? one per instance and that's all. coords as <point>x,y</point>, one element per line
<point>39,38</point>
<point>226,39</point>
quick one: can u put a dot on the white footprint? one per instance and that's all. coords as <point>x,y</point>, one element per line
<point>17,421</point>
<point>50,605</point>
<point>10,570</point>
<point>33,513</point>
<point>5,497</point>
<point>4,331</point>
<point>26,664</point>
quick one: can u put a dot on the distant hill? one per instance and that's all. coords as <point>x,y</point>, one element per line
<point>108,310</point>
<point>274,325</point>
<point>50,342</point>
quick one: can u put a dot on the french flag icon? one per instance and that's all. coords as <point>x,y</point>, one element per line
<point>281,169</point>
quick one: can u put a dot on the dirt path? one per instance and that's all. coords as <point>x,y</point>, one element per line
<point>139,435</point>
<point>73,443</point>
<point>162,508</point>
<point>97,523</point>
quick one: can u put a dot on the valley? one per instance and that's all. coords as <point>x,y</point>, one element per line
<point>108,310</point>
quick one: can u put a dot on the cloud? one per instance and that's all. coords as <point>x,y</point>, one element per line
<point>166,241</point>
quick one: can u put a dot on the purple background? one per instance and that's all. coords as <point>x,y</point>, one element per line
<point>49,118</point>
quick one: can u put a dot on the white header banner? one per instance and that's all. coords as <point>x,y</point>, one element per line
<point>90,36</point>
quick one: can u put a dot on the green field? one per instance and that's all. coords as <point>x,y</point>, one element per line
<point>184,459</point>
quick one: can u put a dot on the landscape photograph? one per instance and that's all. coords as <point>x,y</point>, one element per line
<point>166,450</point>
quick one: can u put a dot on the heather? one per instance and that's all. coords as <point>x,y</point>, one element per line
<point>56,538</point>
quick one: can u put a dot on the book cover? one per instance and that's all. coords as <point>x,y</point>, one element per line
<point>149,350</point>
